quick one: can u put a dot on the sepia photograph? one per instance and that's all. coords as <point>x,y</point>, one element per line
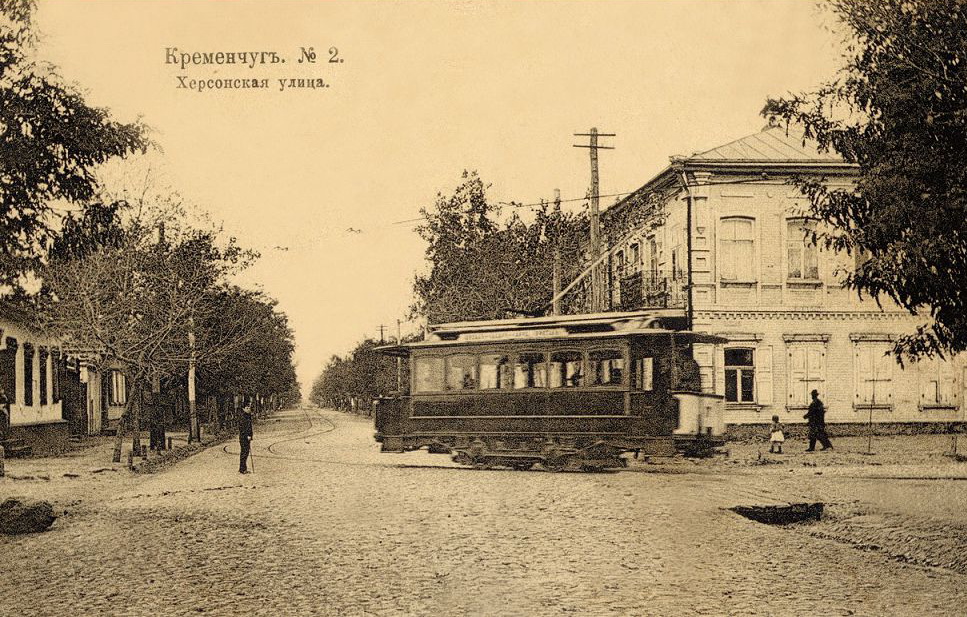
<point>483,308</point>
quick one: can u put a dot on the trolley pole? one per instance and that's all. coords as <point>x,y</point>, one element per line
<point>597,289</point>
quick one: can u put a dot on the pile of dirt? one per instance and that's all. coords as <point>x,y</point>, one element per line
<point>25,516</point>
<point>918,540</point>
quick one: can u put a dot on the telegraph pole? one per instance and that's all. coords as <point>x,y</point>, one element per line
<point>556,284</point>
<point>597,290</point>
<point>399,360</point>
<point>381,328</point>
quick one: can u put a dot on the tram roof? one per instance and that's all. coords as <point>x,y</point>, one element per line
<point>556,327</point>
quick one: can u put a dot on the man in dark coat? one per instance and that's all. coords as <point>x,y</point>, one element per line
<point>244,438</point>
<point>4,414</point>
<point>816,417</point>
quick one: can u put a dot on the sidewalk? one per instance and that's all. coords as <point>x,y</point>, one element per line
<point>85,473</point>
<point>899,456</point>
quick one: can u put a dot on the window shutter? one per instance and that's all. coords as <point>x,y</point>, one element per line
<point>884,374</point>
<point>763,374</point>
<point>948,383</point>
<point>705,357</point>
<point>720,370</point>
<point>927,378</point>
<point>797,375</point>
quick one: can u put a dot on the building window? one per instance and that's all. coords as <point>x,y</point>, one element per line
<point>874,373</point>
<point>807,369</point>
<point>28,374</point>
<point>736,250</point>
<point>461,371</point>
<point>119,388</point>
<point>802,255</point>
<point>566,369</point>
<point>938,383</point>
<point>495,372</point>
<point>530,370</point>
<point>653,259</point>
<point>635,255</point>
<point>740,375</point>
<point>42,389</point>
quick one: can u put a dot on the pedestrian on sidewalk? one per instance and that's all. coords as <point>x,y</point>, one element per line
<point>244,437</point>
<point>816,418</point>
<point>4,414</point>
<point>777,436</point>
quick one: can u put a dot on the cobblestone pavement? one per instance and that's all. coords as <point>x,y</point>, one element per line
<point>329,526</point>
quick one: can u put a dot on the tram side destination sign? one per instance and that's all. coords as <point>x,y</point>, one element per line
<point>536,333</point>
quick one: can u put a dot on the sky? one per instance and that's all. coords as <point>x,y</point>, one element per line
<point>317,180</point>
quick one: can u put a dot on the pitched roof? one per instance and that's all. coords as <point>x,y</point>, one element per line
<point>773,144</point>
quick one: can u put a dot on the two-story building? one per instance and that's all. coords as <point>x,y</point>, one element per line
<point>721,236</point>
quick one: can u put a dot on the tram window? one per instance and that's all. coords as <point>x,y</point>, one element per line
<point>566,369</point>
<point>428,374</point>
<point>530,370</point>
<point>461,372</point>
<point>495,372</point>
<point>644,373</point>
<point>605,367</point>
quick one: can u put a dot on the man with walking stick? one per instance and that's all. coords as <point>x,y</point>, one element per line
<point>245,438</point>
<point>816,419</point>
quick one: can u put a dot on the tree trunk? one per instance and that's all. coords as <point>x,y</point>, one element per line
<point>136,417</point>
<point>122,426</point>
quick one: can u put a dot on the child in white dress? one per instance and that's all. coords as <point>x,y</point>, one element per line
<point>776,436</point>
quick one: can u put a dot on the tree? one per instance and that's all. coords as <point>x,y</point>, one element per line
<point>51,141</point>
<point>363,374</point>
<point>255,348</point>
<point>133,293</point>
<point>898,111</point>
<point>482,268</point>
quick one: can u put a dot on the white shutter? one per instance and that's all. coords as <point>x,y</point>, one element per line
<point>948,383</point>
<point>884,374</point>
<point>797,375</point>
<point>705,357</point>
<point>927,377</point>
<point>720,370</point>
<point>763,374</point>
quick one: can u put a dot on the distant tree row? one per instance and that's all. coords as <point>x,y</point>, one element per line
<point>351,382</point>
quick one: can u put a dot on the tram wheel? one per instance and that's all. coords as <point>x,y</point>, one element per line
<point>522,465</point>
<point>555,464</point>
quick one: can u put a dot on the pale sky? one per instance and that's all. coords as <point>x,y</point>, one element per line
<point>425,91</point>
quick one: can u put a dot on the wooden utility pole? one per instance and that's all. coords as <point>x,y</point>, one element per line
<point>194,432</point>
<point>556,283</point>
<point>597,289</point>
<point>399,360</point>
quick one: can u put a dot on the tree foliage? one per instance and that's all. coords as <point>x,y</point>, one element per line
<point>362,374</point>
<point>132,289</point>
<point>483,265</point>
<point>51,141</point>
<point>255,346</point>
<point>898,110</point>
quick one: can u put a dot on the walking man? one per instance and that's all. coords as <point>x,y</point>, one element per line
<point>244,437</point>
<point>816,417</point>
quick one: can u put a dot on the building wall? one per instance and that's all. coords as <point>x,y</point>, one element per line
<point>34,412</point>
<point>802,333</point>
<point>807,332</point>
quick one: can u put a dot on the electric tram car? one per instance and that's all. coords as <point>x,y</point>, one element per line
<point>566,392</point>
